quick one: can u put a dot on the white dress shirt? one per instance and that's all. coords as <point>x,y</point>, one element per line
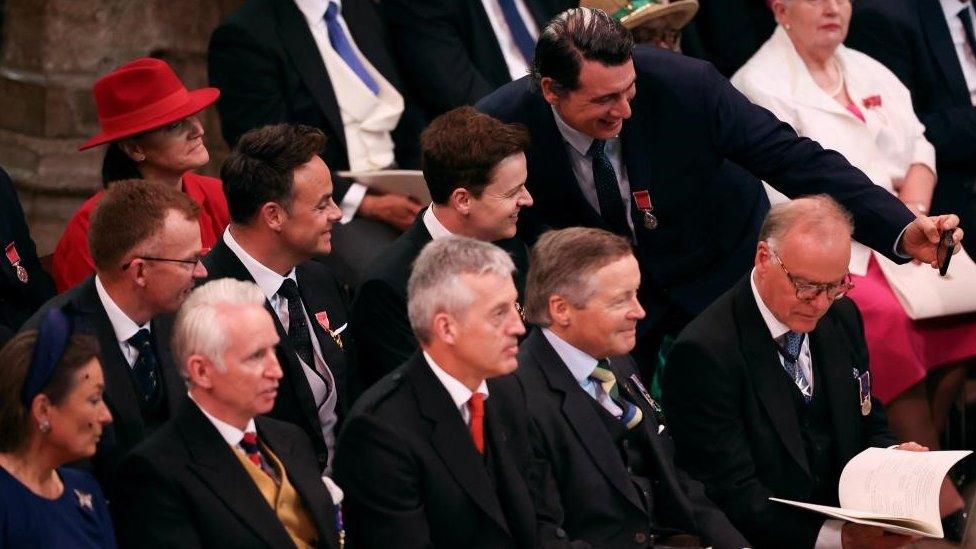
<point>967,57</point>
<point>367,119</point>
<point>577,146</point>
<point>122,325</point>
<point>830,533</point>
<point>517,64</point>
<point>460,394</point>
<point>580,366</point>
<point>232,435</point>
<point>319,377</point>
<point>434,225</point>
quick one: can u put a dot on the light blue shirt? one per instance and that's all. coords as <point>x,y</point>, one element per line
<point>580,366</point>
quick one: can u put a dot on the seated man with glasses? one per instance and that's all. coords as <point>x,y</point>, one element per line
<point>145,242</point>
<point>767,392</point>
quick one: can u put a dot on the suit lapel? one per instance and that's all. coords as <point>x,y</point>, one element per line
<point>452,440</point>
<point>319,307</point>
<point>170,370</point>
<point>298,42</point>
<point>940,42</point>
<point>215,464</point>
<point>837,383</point>
<point>305,484</point>
<point>119,390</point>
<point>768,377</point>
<point>581,416</point>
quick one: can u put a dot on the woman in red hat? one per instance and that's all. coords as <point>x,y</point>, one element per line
<point>149,120</point>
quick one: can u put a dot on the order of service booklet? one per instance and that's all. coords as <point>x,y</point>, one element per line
<point>404,182</point>
<point>897,490</point>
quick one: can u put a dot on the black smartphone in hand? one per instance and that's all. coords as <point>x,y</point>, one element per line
<point>943,252</point>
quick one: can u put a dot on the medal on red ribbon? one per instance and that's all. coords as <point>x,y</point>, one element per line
<point>14,258</point>
<point>643,201</point>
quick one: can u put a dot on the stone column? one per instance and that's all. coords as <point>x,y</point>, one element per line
<point>52,52</point>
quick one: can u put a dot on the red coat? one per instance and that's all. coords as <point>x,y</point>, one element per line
<point>72,263</point>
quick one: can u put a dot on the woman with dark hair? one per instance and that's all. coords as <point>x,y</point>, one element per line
<point>51,413</point>
<point>149,120</point>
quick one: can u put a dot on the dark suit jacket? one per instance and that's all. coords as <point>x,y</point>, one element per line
<point>728,400</point>
<point>413,478</point>
<point>128,427</point>
<point>385,339</point>
<point>687,120</point>
<point>18,300</point>
<point>184,487</point>
<point>447,49</point>
<point>320,291</point>
<point>269,70</point>
<point>600,502</point>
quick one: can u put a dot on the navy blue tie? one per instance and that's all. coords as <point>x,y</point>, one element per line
<point>792,342</point>
<point>342,46</point>
<point>520,33</point>
<point>967,25</point>
<point>608,189</point>
<point>145,368</point>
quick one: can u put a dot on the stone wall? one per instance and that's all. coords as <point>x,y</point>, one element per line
<point>51,53</point>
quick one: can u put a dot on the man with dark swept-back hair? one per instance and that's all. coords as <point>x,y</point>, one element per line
<point>279,192</point>
<point>145,241</point>
<point>475,169</point>
<point>632,138</point>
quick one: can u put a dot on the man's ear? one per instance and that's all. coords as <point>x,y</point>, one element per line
<point>460,199</point>
<point>560,311</point>
<point>199,370</point>
<point>274,215</point>
<point>445,328</point>
<point>548,87</point>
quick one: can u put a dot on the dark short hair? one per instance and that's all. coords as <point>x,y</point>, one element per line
<point>15,359</point>
<point>462,147</point>
<point>574,35</point>
<point>262,165</point>
<point>117,166</point>
<point>131,212</point>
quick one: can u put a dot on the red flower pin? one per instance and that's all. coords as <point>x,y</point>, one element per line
<point>871,101</point>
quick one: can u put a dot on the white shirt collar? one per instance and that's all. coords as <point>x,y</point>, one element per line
<point>122,325</point>
<point>576,139</point>
<point>266,279</point>
<point>580,364</point>
<point>776,328</point>
<point>434,225</point>
<point>951,8</point>
<point>314,10</point>
<point>459,393</point>
<point>232,435</point>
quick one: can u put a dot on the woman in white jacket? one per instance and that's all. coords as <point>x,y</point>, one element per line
<point>851,103</point>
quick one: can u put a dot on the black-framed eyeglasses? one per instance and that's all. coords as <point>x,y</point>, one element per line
<point>808,291</point>
<point>191,262</point>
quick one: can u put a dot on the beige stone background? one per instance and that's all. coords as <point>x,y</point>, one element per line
<point>51,52</point>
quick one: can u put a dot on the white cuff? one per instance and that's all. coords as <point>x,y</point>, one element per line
<point>351,201</point>
<point>894,249</point>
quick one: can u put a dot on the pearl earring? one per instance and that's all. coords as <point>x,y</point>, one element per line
<point>45,427</point>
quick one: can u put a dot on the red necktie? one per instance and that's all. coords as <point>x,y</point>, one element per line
<point>250,446</point>
<point>477,407</point>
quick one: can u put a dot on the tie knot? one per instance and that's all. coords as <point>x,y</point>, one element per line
<point>792,341</point>
<point>250,442</point>
<point>597,148</point>
<point>140,339</point>
<point>603,373</point>
<point>332,11</point>
<point>477,405</point>
<point>288,289</point>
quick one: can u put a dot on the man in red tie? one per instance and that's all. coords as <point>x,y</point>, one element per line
<point>437,453</point>
<point>219,473</point>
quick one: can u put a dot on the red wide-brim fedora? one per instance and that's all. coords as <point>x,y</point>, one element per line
<point>143,95</point>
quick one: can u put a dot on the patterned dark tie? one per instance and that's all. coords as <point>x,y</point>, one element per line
<point>250,446</point>
<point>520,32</point>
<point>145,369</point>
<point>967,25</point>
<point>608,189</point>
<point>792,342</point>
<point>342,46</point>
<point>603,375</point>
<point>298,332</point>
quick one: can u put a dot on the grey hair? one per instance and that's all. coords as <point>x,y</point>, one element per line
<point>563,263</point>
<point>198,329</point>
<point>817,215</point>
<point>436,286</point>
